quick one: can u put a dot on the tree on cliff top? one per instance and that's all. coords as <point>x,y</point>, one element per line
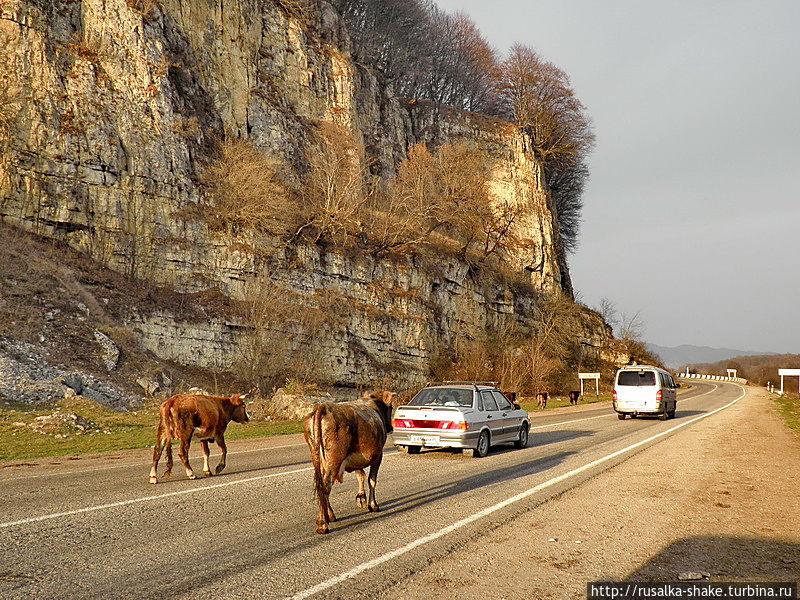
<point>538,96</point>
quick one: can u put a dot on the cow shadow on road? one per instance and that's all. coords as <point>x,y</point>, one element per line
<point>411,501</point>
<point>556,437</point>
<point>724,558</point>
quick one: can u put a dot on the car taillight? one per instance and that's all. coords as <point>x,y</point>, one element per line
<point>461,425</point>
<point>615,395</point>
<point>402,423</point>
<point>659,396</point>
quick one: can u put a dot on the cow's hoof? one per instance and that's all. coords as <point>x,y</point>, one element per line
<point>361,500</point>
<point>153,479</point>
<point>192,476</point>
<point>323,529</point>
<point>166,475</point>
<point>219,469</point>
<point>207,473</point>
<point>374,508</point>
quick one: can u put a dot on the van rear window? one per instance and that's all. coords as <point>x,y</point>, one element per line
<point>640,378</point>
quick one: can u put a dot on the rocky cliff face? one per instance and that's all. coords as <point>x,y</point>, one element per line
<point>110,109</point>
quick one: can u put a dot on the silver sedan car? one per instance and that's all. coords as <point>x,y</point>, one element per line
<point>465,415</point>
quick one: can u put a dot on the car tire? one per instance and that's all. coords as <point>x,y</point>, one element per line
<point>412,449</point>
<point>621,416</point>
<point>522,440</point>
<point>662,416</point>
<point>482,449</point>
<point>671,413</point>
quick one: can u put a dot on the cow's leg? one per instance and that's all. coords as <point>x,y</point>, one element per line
<point>220,439</point>
<point>373,480</point>
<point>361,496</point>
<point>159,447</point>
<point>170,462</point>
<point>322,487</point>
<point>183,453</point>
<point>206,468</point>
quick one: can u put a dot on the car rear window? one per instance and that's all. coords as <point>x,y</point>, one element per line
<point>640,378</point>
<point>442,397</point>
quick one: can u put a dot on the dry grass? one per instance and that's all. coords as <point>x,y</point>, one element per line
<point>143,7</point>
<point>249,190</point>
<point>18,440</point>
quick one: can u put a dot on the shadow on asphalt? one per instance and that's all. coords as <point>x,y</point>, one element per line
<point>725,559</point>
<point>556,437</point>
<point>402,504</point>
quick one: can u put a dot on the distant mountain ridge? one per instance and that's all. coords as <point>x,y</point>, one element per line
<point>687,354</point>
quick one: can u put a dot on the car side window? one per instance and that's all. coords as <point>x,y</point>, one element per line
<point>502,401</point>
<point>479,402</point>
<point>488,401</point>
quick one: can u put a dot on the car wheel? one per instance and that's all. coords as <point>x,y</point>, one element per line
<point>482,449</point>
<point>522,440</point>
<point>621,416</point>
<point>663,415</point>
<point>671,414</point>
<point>412,449</point>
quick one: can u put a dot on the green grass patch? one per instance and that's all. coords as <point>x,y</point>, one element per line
<point>107,429</point>
<point>789,407</point>
<point>529,404</point>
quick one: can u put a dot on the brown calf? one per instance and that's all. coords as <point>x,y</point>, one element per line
<point>183,416</point>
<point>541,400</point>
<point>346,437</point>
<point>573,397</point>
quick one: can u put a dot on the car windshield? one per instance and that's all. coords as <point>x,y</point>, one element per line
<point>442,397</point>
<point>640,378</point>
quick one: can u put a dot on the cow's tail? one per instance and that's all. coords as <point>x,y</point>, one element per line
<point>317,447</point>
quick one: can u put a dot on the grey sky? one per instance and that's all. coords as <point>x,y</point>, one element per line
<point>692,214</point>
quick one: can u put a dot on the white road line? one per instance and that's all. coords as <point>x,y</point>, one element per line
<point>492,509</point>
<point>147,498</point>
<point>137,464</point>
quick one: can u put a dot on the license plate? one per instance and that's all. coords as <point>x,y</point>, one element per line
<point>425,439</point>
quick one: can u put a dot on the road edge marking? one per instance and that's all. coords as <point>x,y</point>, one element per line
<point>499,506</point>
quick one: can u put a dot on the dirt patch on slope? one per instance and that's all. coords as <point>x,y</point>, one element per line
<point>718,497</point>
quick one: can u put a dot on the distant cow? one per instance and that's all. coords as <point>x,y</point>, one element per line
<point>573,397</point>
<point>206,416</point>
<point>541,400</point>
<point>347,436</point>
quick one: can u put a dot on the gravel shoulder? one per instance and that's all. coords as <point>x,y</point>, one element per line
<point>718,497</point>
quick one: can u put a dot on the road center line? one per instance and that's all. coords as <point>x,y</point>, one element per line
<point>492,509</point>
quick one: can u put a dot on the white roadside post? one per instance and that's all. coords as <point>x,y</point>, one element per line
<point>596,377</point>
<point>789,373</point>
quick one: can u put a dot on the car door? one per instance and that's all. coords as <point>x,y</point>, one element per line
<point>511,421</point>
<point>492,416</point>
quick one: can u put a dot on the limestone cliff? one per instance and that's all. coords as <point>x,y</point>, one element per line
<point>109,110</point>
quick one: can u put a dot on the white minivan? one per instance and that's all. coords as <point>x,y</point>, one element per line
<point>644,390</point>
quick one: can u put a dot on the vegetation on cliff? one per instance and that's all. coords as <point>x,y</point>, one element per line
<point>430,54</point>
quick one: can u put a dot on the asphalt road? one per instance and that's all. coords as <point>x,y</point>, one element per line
<point>96,529</point>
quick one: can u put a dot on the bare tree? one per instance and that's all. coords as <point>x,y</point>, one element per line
<point>538,96</point>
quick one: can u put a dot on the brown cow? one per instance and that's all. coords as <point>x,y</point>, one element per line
<point>347,436</point>
<point>574,397</point>
<point>183,416</point>
<point>541,400</point>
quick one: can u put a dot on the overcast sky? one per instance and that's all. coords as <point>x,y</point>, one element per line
<point>692,214</point>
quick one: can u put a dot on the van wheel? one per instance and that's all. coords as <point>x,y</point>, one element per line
<point>621,416</point>
<point>671,414</point>
<point>412,449</point>
<point>663,415</point>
